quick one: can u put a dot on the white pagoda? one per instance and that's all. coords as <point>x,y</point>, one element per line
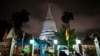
<point>49,26</point>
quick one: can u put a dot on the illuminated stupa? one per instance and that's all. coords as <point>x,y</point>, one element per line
<point>49,26</point>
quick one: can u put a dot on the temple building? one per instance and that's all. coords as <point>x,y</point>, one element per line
<point>49,26</point>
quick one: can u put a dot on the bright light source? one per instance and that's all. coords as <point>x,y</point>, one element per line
<point>55,41</point>
<point>32,41</point>
<point>78,41</point>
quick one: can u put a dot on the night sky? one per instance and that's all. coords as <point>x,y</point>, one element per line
<point>86,13</point>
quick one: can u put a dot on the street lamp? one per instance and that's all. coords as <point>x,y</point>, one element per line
<point>55,42</point>
<point>32,42</point>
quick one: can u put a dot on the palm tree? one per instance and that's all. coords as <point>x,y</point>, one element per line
<point>66,18</point>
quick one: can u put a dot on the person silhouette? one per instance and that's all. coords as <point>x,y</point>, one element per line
<point>62,53</point>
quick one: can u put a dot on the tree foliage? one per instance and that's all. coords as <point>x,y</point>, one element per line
<point>20,17</point>
<point>62,37</point>
<point>67,16</point>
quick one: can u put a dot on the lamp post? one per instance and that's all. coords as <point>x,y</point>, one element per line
<point>55,42</point>
<point>77,44</point>
<point>32,42</point>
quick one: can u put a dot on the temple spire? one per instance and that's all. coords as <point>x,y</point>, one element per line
<point>49,14</point>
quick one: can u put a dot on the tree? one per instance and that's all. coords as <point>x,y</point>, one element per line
<point>18,18</point>
<point>66,18</point>
<point>62,38</point>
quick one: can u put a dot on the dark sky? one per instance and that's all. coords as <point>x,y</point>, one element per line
<point>86,13</point>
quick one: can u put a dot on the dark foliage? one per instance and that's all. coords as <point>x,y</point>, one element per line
<point>67,16</point>
<point>4,25</point>
<point>20,17</point>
